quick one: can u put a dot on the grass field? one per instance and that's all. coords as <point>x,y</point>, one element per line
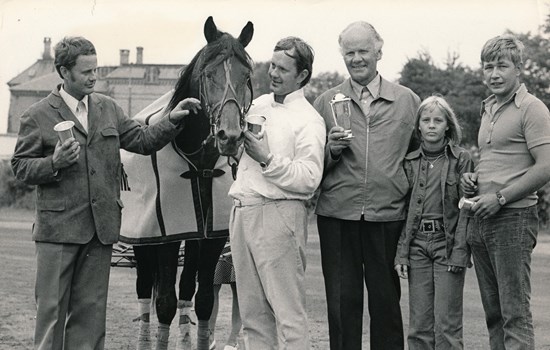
<point>17,306</point>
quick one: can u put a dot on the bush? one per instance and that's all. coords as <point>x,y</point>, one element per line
<point>14,193</point>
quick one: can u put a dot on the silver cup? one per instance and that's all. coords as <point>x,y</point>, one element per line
<point>255,124</point>
<point>64,130</point>
<point>465,203</point>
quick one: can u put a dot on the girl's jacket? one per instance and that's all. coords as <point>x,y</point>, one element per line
<point>457,162</point>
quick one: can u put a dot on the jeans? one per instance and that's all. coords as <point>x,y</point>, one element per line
<point>435,295</point>
<point>501,249</point>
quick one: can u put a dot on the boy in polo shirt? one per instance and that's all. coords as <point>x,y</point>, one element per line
<point>514,144</point>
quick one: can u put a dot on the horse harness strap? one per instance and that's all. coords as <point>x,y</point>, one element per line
<point>202,173</point>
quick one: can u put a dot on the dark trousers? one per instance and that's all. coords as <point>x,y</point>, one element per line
<point>201,257</point>
<point>158,263</point>
<point>350,252</point>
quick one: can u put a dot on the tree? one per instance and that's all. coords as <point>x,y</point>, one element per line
<point>461,86</point>
<point>321,83</point>
<point>316,86</point>
<point>536,57</point>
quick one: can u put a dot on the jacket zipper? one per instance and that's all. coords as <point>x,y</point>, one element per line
<point>366,166</point>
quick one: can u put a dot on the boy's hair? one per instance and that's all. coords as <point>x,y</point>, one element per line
<point>303,54</point>
<point>454,133</point>
<point>68,50</point>
<point>503,46</point>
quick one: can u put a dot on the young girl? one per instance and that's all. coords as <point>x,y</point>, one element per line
<point>431,252</point>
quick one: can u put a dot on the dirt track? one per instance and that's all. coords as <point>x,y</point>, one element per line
<point>17,300</point>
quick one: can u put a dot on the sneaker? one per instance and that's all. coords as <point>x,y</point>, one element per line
<point>212,345</point>
<point>229,347</point>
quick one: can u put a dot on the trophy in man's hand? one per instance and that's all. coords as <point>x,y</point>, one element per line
<point>341,112</point>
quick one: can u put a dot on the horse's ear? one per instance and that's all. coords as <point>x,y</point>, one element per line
<point>246,34</point>
<point>210,30</point>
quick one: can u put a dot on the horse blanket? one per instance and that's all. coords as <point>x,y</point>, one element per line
<point>162,206</point>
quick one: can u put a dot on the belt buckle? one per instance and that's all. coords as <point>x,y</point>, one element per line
<point>428,226</point>
<point>237,202</point>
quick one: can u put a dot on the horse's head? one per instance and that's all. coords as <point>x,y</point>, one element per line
<point>225,88</point>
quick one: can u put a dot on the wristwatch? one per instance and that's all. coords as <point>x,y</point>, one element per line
<point>267,162</point>
<point>501,199</point>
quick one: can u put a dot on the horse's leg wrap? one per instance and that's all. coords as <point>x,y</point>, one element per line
<point>163,334</point>
<point>203,335</point>
<point>184,336</point>
<point>144,336</point>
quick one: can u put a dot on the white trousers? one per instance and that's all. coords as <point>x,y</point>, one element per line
<point>268,243</point>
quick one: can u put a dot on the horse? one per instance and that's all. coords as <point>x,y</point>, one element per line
<point>180,192</point>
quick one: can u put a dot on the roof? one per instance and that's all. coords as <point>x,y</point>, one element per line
<point>43,83</point>
<point>139,71</point>
<point>39,68</point>
<point>49,81</point>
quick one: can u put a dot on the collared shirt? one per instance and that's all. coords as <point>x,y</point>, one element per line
<point>80,113</point>
<point>368,93</point>
<point>505,139</point>
<point>367,181</point>
<point>296,136</point>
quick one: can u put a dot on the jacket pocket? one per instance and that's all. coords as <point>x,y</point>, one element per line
<point>452,187</point>
<point>51,205</point>
<point>109,132</point>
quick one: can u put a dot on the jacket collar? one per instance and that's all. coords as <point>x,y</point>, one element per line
<point>387,91</point>
<point>451,148</point>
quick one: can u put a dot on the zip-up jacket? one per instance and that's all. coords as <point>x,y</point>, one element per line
<point>368,178</point>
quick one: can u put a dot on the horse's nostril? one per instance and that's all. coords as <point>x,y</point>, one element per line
<point>222,135</point>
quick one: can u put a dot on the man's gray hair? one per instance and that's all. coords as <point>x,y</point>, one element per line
<point>378,41</point>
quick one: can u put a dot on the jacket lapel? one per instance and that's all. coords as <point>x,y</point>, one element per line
<point>57,103</point>
<point>94,115</point>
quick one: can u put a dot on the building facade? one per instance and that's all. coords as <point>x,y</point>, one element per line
<point>133,85</point>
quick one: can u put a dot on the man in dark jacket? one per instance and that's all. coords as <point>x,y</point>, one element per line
<point>361,207</point>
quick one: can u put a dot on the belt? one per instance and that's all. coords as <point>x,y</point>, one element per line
<point>431,226</point>
<point>251,201</point>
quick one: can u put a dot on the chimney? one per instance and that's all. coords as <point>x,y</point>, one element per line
<point>139,55</point>
<point>124,57</point>
<point>47,49</point>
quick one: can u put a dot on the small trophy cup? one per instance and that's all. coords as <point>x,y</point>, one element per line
<point>341,112</point>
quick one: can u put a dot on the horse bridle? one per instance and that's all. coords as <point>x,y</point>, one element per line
<point>214,111</point>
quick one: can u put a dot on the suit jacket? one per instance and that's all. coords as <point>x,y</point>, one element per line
<point>83,199</point>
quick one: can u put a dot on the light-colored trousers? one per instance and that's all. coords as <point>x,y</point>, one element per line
<point>71,295</point>
<point>268,242</point>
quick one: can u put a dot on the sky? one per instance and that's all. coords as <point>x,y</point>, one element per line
<point>171,31</point>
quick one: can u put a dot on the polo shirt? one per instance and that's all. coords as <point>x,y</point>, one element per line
<point>505,139</point>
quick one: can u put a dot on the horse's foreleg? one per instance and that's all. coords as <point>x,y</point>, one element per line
<point>144,336</point>
<point>184,336</point>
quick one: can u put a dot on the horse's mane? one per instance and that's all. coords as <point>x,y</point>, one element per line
<point>213,53</point>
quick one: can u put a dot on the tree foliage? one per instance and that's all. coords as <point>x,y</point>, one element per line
<point>461,86</point>
<point>316,86</point>
<point>536,61</point>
